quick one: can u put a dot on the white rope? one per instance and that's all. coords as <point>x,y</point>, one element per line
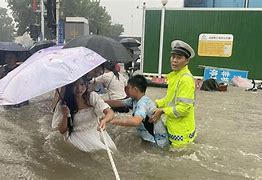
<point>110,156</point>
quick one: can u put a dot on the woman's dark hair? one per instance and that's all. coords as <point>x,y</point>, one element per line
<point>69,100</point>
<point>111,66</point>
<point>138,81</point>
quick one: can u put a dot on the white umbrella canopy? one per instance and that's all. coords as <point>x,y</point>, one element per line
<point>45,71</point>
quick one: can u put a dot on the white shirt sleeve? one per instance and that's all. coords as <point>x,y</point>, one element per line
<point>99,79</point>
<point>97,102</point>
<point>104,78</point>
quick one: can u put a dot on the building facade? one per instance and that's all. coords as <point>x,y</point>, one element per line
<point>224,3</point>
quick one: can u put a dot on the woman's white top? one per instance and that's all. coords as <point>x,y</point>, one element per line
<point>85,135</point>
<point>114,86</point>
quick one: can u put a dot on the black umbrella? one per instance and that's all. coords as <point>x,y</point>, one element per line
<point>130,42</point>
<point>41,45</point>
<point>107,47</point>
<point>11,46</point>
<point>136,52</point>
<point>21,52</point>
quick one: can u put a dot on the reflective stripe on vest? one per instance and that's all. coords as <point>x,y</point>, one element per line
<point>185,100</point>
<point>180,137</point>
<point>176,137</point>
<point>176,113</point>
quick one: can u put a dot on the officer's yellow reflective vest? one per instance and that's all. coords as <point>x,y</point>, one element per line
<point>178,107</point>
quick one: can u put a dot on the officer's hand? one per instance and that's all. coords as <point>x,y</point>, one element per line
<point>156,116</point>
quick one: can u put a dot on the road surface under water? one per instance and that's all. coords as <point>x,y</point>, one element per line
<point>228,146</point>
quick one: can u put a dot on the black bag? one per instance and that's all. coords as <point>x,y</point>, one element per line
<point>209,85</point>
<point>149,126</point>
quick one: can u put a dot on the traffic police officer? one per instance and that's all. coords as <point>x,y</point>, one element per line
<point>178,104</point>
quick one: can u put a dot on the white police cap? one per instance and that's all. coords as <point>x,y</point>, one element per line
<point>182,48</point>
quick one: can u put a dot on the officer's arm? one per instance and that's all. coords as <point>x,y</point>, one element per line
<point>160,102</point>
<point>184,99</point>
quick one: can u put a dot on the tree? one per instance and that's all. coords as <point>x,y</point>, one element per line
<point>23,15</point>
<point>99,19</point>
<point>115,30</point>
<point>7,26</point>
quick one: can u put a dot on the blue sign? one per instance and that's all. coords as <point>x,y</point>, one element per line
<point>61,36</point>
<point>223,74</point>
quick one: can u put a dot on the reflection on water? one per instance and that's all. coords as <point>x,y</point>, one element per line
<point>229,144</point>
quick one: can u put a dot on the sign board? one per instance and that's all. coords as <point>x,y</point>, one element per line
<point>217,45</point>
<point>76,26</point>
<point>223,74</point>
<point>61,32</point>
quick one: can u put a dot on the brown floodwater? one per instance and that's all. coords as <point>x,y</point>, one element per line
<point>228,146</point>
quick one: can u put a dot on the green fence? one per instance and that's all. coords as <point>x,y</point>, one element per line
<point>188,24</point>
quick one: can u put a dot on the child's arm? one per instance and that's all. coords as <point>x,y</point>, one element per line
<point>131,121</point>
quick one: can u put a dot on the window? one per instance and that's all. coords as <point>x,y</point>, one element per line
<point>195,3</point>
<point>223,3</point>
<point>255,4</point>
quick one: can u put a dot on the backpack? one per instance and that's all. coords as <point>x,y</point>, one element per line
<point>209,85</point>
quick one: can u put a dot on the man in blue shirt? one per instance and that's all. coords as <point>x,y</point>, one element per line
<point>143,108</point>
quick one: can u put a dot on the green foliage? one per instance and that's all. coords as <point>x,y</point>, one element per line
<point>99,19</point>
<point>115,29</point>
<point>7,27</point>
<point>23,14</point>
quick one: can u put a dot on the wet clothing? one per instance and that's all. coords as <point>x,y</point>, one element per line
<point>178,107</point>
<point>145,108</point>
<point>85,135</point>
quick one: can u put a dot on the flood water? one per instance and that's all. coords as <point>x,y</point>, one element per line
<point>228,146</point>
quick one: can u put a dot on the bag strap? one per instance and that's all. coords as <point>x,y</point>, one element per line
<point>109,85</point>
<point>110,81</point>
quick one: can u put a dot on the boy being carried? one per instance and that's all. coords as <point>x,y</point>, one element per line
<point>143,108</point>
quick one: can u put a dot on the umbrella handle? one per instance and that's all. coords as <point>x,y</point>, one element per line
<point>59,94</point>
